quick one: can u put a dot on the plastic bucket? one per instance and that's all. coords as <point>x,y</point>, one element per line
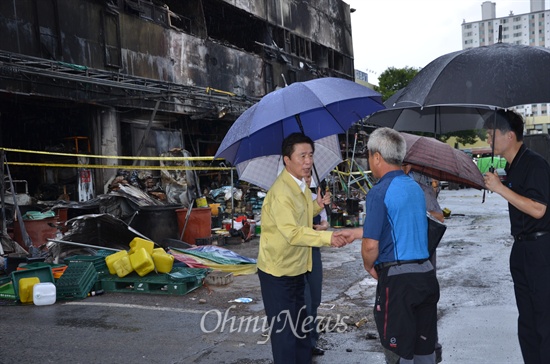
<point>39,231</point>
<point>198,226</point>
<point>215,207</point>
<point>201,202</point>
<point>62,215</point>
<point>157,222</point>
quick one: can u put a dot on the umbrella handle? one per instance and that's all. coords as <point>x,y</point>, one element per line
<point>299,121</point>
<point>327,208</point>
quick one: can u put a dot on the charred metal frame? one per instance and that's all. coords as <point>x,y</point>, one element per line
<point>38,76</point>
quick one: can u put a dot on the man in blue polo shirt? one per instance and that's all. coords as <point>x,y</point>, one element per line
<point>395,251</point>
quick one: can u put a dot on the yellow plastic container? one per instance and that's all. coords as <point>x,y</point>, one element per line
<point>25,289</point>
<point>201,202</point>
<point>163,261</point>
<point>159,250</point>
<point>123,266</point>
<point>111,259</point>
<point>215,208</point>
<point>142,262</point>
<point>137,243</point>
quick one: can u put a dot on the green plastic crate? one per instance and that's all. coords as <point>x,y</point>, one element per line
<point>104,253</point>
<point>43,273</point>
<point>5,279</point>
<point>97,261</point>
<point>152,283</point>
<point>40,265</point>
<point>7,292</point>
<point>77,281</point>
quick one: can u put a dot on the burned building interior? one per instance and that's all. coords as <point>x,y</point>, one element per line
<point>138,78</point>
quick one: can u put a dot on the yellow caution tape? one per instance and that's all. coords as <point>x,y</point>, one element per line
<point>85,166</point>
<point>116,166</point>
<point>113,156</point>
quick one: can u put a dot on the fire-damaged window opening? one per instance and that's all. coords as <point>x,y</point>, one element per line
<point>287,44</point>
<point>223,22</point>
<point>47,28</point>
<point>231,25</point>
<point>169,15</point>
<point>268,70</point>
<point>111,39</point>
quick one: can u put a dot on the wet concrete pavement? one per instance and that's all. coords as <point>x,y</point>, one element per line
<point>477,309</point>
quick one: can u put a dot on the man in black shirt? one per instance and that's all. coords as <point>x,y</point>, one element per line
<point>527,191</point>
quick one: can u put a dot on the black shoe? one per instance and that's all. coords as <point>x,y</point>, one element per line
<point>317,351</point>
<point>438,353</point>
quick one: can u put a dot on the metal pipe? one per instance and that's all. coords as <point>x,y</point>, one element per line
<point>82,244</point>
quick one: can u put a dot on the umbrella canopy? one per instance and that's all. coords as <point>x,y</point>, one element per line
<point>318,108</point>
<point>500,75</point>
<point>407,116</point>
<point>438,160</point>
<point>263,171</point>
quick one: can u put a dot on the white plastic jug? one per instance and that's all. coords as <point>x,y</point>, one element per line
<point>44,294</point>
<point>362,217</point>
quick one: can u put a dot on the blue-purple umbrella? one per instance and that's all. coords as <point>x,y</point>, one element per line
<point>263,171</point>
<point>318,108</point>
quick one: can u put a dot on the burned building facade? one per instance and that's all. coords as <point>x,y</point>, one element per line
<point>138,77</point>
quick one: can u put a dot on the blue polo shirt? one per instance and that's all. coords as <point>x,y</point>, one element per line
<point>396,217</point>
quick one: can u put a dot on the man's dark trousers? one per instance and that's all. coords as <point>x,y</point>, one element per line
<point>530,268</point>
<point>285,309</point>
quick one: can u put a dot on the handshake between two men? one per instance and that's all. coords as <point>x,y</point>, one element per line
<point>345,236</point>
<point>341,237</point>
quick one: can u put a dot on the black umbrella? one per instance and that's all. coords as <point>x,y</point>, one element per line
<point>438,120</point>
<point>407,116</point>
<point>500,75</point>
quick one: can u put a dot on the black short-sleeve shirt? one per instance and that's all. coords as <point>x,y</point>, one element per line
<point>529,176</point>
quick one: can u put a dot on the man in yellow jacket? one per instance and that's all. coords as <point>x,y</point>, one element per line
<point>285,251</point>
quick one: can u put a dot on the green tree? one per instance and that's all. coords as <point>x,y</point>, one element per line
<point>469,136</point>
<point>394,79</point>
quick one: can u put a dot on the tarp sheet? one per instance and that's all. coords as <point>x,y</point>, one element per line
<point>219,255</point>
<point>184,274</point>
<point>217,258</point>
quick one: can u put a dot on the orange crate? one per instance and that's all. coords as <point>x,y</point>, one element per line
<point>57,269</point>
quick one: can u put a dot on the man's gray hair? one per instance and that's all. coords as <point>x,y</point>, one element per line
<point>389,143</point>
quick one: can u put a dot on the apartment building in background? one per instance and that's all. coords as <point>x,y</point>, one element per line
<point>531,29</point>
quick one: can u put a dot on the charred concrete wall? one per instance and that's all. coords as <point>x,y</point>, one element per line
<point>210,43</point>
<point>65,63</point>
<point>326,22</point>
<point>98,36</point>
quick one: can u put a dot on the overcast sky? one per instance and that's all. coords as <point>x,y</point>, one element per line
<point>400,33</point>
